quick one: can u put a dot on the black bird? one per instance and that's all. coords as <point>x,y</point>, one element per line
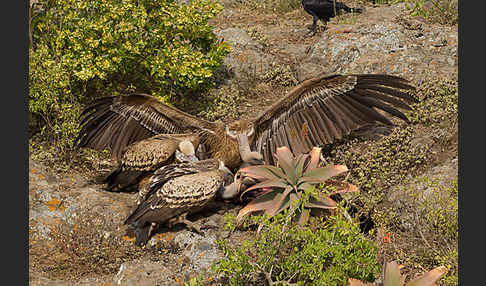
<point>324,10</point>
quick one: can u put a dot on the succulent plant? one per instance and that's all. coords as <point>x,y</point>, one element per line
<point>392,277</point>
<point>284,185</point>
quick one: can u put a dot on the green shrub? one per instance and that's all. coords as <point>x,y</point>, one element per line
<point>327,253</point>
<point>434,11</point>
<point>82,49</point>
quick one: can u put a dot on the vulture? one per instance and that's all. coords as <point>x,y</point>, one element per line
<point>175,191</point>
<point>139,159</point>
<point>324,10</point>
<point>316,112</point>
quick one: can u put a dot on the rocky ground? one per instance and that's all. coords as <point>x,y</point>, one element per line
<point>76,236</point>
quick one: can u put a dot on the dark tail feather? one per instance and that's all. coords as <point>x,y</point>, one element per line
<point>122,181</point>
<point>357,10</point>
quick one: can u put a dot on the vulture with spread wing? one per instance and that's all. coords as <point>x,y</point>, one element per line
<point>314,113</point>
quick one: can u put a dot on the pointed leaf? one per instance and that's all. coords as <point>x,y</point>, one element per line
<point>304,186</point>
<point>315,155</point>
<point>284,154</point>
<point>260,203</point>
<point>300,161</point>
<point>356,282</point>
<point>324,202</point>
<point>342,187</point>
<point>288,169</point>
<point>266,184</point>
<point>294,201</point>
<point>304,217</point>
<point>322,174</point>
<point>393,277</point>
<point>429,278</point>
<point>260,172</point>
<point>278,201</point>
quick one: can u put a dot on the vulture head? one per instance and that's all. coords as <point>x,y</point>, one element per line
<point>187,152</point>
<point>244,127</point>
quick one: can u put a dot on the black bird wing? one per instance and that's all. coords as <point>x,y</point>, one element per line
<point>321,110</point>
<point>117,121</point>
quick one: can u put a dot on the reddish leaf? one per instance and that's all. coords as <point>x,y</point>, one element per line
<point>260,203</point>
<point>260,172</point>
<point>315,155</point>
<point>429,278</point>
<point>304,217</point>
<point>284,154</point>
<point>342,187</point>
<point>324,202</point>
<point>356,282</point>
<point>265,184</point>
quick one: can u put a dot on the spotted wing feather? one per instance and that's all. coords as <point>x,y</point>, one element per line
<point>179,195</point>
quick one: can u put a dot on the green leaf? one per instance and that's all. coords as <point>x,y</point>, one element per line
<point>278,201</point>
<point>392,275</point>
<point>322,174</point>
<point>285,161</point>
<point>300,161</point>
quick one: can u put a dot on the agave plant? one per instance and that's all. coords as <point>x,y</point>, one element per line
<point>392,277</point>
<point>283,186</point>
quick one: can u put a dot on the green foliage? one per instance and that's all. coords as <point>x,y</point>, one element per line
<point>434,237</point>
<point>281,6</point>
<point>379,165</point>
<point>434,11</point>
<point>85,48</point>
<point>438,104</point>
<point>328,253</point>
<point>51,99</point>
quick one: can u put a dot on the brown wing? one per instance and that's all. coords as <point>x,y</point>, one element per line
<point>321,110</point>
<point>149,154</point>
<point>117,121</point>
<point>178,195</point>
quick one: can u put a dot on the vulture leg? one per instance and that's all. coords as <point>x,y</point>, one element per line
<point>313,28</point>
<point>324,22</point>
<point>153,226</point>
<point>183,219</point>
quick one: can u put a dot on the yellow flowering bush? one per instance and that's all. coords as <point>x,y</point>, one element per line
<point>82,49</point>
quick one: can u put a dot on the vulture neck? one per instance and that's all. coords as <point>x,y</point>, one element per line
<point>222,147</point>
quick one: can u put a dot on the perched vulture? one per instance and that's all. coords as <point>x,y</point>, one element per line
<point>324,10</point>
<point>141,158</point>
<point>314,113</point>
<point>173,192</point>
